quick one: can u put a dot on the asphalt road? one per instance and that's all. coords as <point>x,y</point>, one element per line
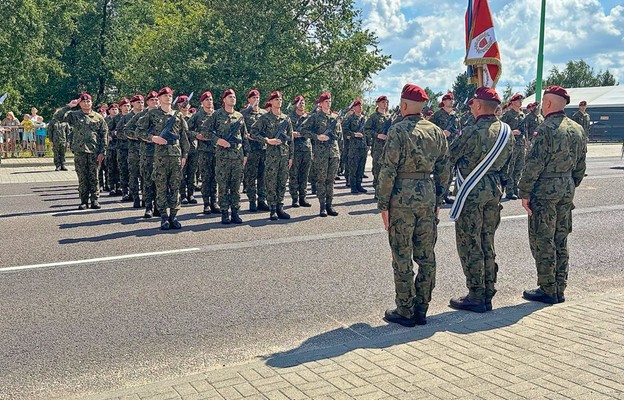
<point>72,324</point>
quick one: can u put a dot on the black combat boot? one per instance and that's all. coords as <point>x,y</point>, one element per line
<point>303,202</point>
<point>263,206</point>
<point>354,190</point>
<point>295,203</point>
<point>214,208</point>
<point>164,222</point>
<point>468,303</point>
<point>137,202</point>
<point>83,206</point>
<point>421,317</point>
<point>143,203</point>
<point>118,192</point>
<point>330,210</point>
<point>252,206</point>
<point>207,209</point>
<point>95,205</point>
<point>175,224</point>
<point>393,316</point>
<point>281,213</point>
<point>156,211</point>
<point>149,211</point>
<point>488,304</point>
<point>64,168</point>
<point>538,294</point>
<point>225,217</point>
<point>313,187</point>
<point>273,215</point>
<point>360,189</point>
<point>323,212</point>
<point>191,199</point>
<point>235,217</point>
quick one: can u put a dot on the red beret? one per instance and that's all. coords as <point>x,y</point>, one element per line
<point>267,105</point>
<point>530,106</point>
<point>559,91</point>
<point>84,96</point>
<point>124,101</point>
<point>448,96</point>
<point>227,93</point>
<point>485,93</point>
<point>253,92</point>
<point>204,95</point>
<point>274,95</point>
<point>324,96</point>
<point>470,101</point>
<point>357,102</point>
<point>104,106</point>
<point>381,98</point>
<point>151,95</point>
<point>414,93</point>
<point>137,97</point>
<point>516,96</point>
<point>182,99</point>
<point>296,99</point>
<point>583,103</point>
<point>165,90</point>
<point>114,105</point>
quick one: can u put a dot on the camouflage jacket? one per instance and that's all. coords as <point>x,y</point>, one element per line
<point>218,127</point>
<point>266,127</point>
<point>302,144</point>
<point>530,126</point>
<point>129,129</point>
<point>556,162</point>
<point>198,124</point>
<point>351,125</point>
<point>191,135</point>
<point>89,131</point>
<point>58,132</point>
<point>467,120</point>
<point>442,118</point>
<point>251,117</point>
<point>374,126</point>
<point>111,121</point>
<point>514,118</point>
<point>317,124</point>
<point>152,123</point>
<point>414,145</point>
<point>583,119</point>
<point>472,146</point>
<point>120,124</point>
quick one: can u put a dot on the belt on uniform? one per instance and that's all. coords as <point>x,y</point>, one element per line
<point>556,174</point>
<point>413,175</point>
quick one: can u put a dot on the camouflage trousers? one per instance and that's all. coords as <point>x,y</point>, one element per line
<point>412,235</point>
<point>376,154</point>
<point>326,168</point>
<point>167,175</point>
<point>357,162</point>
<point>59,154</point>
<point>187,186</point>
<point>549,226</point>
<point>112,169</point>
<point>516,165</point>
<point>134,169</point>
<point>122,163</point>
<point>209,181</point>
<point>254,175</point>
<point>149,187</point>
<point>474,233</point>
<point>87,170</point>
<point>344,160</point>
<point>276,176</point>
<point>229,173</point>
<point>298,174</point>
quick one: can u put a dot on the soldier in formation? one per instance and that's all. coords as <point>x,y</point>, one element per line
<point>302,156</point>
<point>359,143</point>
<point>376,130</point>
<point>58,132</point>
<point>582,118</point>
<point>514,117</point>
<point>137,103</point>
<point>255,167</point>
<point>206,149</point>
<point>146,154</point>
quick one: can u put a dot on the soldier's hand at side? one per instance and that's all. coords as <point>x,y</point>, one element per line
<point>516,132</point>
<point>183,163</point>
<point>526,205</point>
<point>358,134</point>
<point>274,142</point>
<point>382,136</point>
<point>223,143</point>
<point>289,163</point>
<point>244,161</point>
<point>323,138</point>
<point>159,140</point>
<point>200,136</point>
<point>296,134</point>
<point>100,158</point>
<point>384,218</point>
<point>73,103</point>
<point>446,133</point>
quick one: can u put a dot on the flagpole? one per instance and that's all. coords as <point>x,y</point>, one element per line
<point>479,75</point>
<point>540,55</point>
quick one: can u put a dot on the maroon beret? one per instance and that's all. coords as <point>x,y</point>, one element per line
<point>274,95</point>
<point>530,106</point>
<point>114,105</point>
<point>165,90</point>
<point>448,96</point>
<point>104,106</point>
<point>583,103</point>
<point>182,99</point>
<point>381,98</point>
<point>559,91</point>
<point>152,95</point>
<point>227,93</point>
<point>324,96</point>
<point>253,92</point>
<point>516,96</point>
<point>485,93</point>
<point>204,95</point>
<point>84,96</point>
<point>296,99</point>
<point>414,93</point>
<point>357,102</point>
<point>137,97</point>
<point>267,105</point>
<point>124,101</point>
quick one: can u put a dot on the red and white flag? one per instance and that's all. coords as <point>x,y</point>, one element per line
<point>481,44</point>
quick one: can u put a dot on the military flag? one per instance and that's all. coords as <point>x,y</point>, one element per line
<point>482,54</point>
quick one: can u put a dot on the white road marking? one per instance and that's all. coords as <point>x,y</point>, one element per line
<point>17,195</point>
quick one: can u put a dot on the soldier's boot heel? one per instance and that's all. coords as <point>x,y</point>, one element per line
<point>330,210</point>
<point>295,203</point>
<point>156,212</point>
<point>263,206</point>
<point>323,211</point>
<point>488,304</point>
<point>164,222</point>
<point>468,303</point>
<point>421,317</point>
<point>539,295</point>
<point>64,168</point>
<point>191,199</point>
<point>235,217</point>
<point>303,202</point>
<point>281,214</point>
<point>95,205</point>
<point>225,217</point>
<point>173,220</point>
<point>394,317</point>
<point>149,212</point>
<point>252,206</point>
<point>214,208</point>
<point>273,215</point>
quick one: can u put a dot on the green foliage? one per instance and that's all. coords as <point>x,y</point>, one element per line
<point>462,89</point>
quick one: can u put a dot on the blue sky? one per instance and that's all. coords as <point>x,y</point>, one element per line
<point>426,39</point>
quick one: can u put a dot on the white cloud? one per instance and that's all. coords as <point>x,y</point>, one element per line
<point>385,18</point>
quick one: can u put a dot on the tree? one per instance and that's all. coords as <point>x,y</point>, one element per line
<point>462,89</point>
<point>507,93</point>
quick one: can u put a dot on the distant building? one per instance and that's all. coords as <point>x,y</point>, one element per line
<point>605,105</point>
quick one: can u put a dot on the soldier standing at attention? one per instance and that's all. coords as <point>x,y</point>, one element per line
<point>227,129</point>
<point>112,169</point>
<point>187,186</point>
<point>373,129</point>
<point>514,117</point>
<point>58,131</point>
<point>555,166</point>
<point>146,152</point>
<point>167,129</point>
<point>353,131</point>
<point>446,118</point>
<point>409,200</point>
<point>302,157</point>
<point>323,128</point>
<point>481,157</point>
<point>89,132</point>
<point>206,149</point>
<point>134,158</point>
<point>255,167</point>
<point>582,118</point>
<point>533,120</point>
<point>275,129</point>
<point>122,147</point>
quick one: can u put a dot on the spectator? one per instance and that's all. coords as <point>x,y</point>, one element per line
<point>28,137</point>
<point>40,134</point>
<point>11,135</point>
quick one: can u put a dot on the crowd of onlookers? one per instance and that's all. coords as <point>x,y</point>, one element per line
<point>23,138</point>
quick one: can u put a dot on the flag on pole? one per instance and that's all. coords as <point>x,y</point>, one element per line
<point>481,44</point>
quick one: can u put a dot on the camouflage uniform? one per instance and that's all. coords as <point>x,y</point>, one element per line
<point>89,133</point>
<point>530,126</point>
<point>58,132</point>
<point>476,225</point>
<point>146,153</point>
<point>514,119</point>
<point>302,160</point>
<point>229,161</point>
<point>555,166</point>
<point>444,120</point>
<point>167,171</point>
<point>112,169</point>
<point>134,157</point>
<point>187,186</point>
<point>414,149</point>
<point>344,144</point>
<point>206,159</point>
<point>277,157</point>
<point>122,152</point>
<point>255,167</point>
<point>373,127</point>
<point>584,120</point>
<point>358,148</point>
<point>467,120</point>
<point>326,155</point>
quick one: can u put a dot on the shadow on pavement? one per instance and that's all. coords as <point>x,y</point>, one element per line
<point>364,212</point>
<point>380,337</point>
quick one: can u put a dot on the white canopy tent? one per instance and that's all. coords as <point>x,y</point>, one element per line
<point>596,97</point>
